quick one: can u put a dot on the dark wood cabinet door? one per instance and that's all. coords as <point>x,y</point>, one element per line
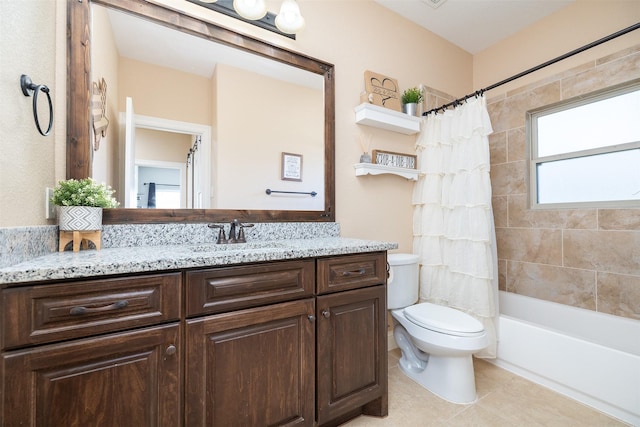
<point>252,367</point>
<point>352,353</point>
<point>129,379</point>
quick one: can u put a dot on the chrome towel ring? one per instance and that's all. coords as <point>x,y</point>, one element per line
<point>29,88</point>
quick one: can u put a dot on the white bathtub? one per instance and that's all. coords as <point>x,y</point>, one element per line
<point>591,357</point>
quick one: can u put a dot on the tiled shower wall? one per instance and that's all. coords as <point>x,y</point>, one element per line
<point>587,258</point>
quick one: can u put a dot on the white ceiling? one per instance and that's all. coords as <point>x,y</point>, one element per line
<point>474,25</point>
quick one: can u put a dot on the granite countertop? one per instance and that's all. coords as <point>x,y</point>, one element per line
<point>88,263</point>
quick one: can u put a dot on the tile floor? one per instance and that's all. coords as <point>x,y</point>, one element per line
<point>504,399</point>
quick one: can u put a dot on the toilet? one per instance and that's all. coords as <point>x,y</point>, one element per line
<point>436,341</point>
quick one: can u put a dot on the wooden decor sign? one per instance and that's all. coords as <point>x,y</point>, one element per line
<point>382,90</point>
<point>398,160</point>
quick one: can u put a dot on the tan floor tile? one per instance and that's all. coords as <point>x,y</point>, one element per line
<point>477,416</point>
<point>522,402</point>
<point>489,377</point>
<point>505,399</point>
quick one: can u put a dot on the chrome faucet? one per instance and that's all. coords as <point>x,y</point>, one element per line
<point>236,232</point>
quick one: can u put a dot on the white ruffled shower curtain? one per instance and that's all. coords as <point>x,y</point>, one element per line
<point>453,226</point>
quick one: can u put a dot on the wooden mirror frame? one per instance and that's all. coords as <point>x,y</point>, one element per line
<point>79,155</point>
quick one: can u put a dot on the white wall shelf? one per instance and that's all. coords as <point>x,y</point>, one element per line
<point>385,118</point>
<point>374,169</point>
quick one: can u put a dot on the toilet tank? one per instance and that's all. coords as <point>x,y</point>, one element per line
<point>402,284</point>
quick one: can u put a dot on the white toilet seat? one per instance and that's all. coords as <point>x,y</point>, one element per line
<point>445,320</point>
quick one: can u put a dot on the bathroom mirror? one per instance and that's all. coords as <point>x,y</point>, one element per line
<point>79,150</point>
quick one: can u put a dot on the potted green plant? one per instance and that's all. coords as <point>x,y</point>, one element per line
<point>410,99</point>
<point>80,204</point>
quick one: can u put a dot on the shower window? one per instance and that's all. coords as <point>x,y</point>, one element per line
<point>585,152</point>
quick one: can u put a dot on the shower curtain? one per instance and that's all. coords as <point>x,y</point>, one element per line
<point>453,225</point>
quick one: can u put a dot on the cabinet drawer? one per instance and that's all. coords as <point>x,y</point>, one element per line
<point>217,290</point>
<point>47,313</point>
<point>351,271</point>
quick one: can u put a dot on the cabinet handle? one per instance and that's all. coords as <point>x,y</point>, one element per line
<point>79,310</point>
<point>311,318</point>
<point>354,273</point>
<point>326,314</point>
<point>171,350</point>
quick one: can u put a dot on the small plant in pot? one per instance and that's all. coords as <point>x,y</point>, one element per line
<point>410,99</point>
<point>80,204</point>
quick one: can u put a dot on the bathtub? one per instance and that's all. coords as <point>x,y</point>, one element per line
<point>588,356</point>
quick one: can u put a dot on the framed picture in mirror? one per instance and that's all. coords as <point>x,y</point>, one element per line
<point>291,167</point>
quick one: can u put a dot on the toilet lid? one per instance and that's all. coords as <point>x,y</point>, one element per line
<point>443,319</point>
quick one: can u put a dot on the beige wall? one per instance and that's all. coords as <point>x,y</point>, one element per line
<point>150,86</point>
<point>104,63</point>
<point>250,140</point>
<point>30,162</point>
<point>363,36</point>
<point>162,146</point>
<point>576,25</point>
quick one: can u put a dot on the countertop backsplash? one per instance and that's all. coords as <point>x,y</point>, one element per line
<point>19,244</point>
<point>132,235</point>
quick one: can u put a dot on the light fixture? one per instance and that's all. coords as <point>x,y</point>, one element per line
<point>286,23</point>
<point>250,9</point>
<point>289,20</point>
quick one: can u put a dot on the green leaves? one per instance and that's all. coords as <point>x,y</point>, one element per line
<point>411,96</point>
<point>84,192</point>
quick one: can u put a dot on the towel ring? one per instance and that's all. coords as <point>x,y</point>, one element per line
<point>29,88</point>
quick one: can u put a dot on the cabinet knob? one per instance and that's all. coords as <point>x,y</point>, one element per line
<point>171,350</point>
<point>326,313</point>
<point>311,318</point>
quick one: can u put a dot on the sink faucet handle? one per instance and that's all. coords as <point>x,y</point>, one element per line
<point>222,238</point>
<point>241,237</point>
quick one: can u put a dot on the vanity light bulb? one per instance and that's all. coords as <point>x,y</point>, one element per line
<point>250,9</point>
<point>289,20</point>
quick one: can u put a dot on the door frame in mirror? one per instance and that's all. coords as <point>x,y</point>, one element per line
<point>79,155</point>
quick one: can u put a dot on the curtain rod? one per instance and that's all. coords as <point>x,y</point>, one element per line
<point>536,68</point>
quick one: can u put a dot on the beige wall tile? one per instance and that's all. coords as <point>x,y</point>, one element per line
<point>569,286</point>
<point>550,79</point>
<point>619,219</point>
<point>521,216</point>
<point>619,294</point>
<point>502,275</point>
<point>620,54</point>
<point>532,259</point>
<point>611,251</point>
<point>498,148</point>
<point>517,144</point>
<point>510,113</point>
<point>607,75</point>
<point>508,179</point>
<point>500,211</point>
<point>541,246</point>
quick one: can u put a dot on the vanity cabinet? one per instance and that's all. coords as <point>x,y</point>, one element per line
<point>351,337</point>
<point>252,367</point>
<point>296,342</point>
<point>75,377</point>
<point>251,362</point>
